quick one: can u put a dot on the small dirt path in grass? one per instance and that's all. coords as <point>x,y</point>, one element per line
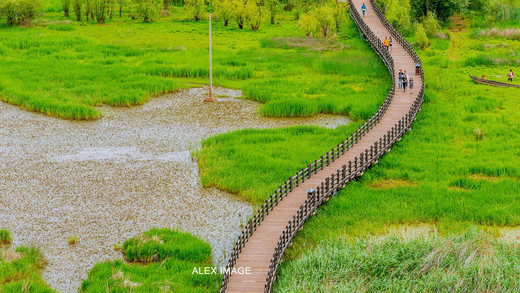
<point>108,180</point>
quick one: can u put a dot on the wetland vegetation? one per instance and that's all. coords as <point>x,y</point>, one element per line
<point>458,169</point>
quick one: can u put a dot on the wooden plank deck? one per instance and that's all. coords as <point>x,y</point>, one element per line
<point>259,250</point>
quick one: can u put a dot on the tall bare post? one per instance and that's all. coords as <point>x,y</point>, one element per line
<point>210,97</point>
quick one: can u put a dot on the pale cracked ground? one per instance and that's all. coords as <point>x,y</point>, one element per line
<point>108,180</point>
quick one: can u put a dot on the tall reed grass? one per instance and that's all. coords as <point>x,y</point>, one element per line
<point>472,262</point>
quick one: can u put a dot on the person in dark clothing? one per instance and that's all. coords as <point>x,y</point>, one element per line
<point>405,80</point>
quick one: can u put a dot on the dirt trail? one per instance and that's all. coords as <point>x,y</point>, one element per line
<point>108,180</point>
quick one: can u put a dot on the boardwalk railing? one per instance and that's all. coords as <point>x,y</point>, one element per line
<point>342,176</point>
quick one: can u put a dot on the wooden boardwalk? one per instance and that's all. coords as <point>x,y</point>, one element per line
<point>258,251</point>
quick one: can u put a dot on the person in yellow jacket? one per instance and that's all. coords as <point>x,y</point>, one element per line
<point>386,43</point>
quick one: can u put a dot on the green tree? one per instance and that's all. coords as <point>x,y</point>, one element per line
<point>88,9</point>
<point>99,9</point>
<point>253,14</point>
<point>19,12</point>
<point>325,18</point>
<point>273,6</point>
<point>76,4</point>
<point>338,13</point>
<point>398,13</point>
<point>110,8</point>
<point>146,9</point>
<point>65,4</point>
<point>196,8</point>
<point>431,24</point>
<point>308,23</point>
<point>422,39</point>
<point>443,9</point>
<point>240,13</point>
<point>121,4</point>
<point>224,10</point>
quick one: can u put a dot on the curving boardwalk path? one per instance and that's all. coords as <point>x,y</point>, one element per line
<point>258,251</point>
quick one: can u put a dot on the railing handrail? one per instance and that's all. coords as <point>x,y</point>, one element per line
<point>347,172</point>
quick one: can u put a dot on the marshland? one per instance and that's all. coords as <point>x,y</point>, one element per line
<point>110,157</point>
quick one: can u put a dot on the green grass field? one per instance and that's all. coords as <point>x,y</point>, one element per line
<point>66,69</point>
<point>442,172</point>
<point>159,260</point>
<point>20,268</point>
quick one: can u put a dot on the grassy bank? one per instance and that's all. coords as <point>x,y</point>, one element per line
<point>442,172</point>
<point>66,69</point>
<point>20,268</point>
<point>252,163</point>
<point>159,260</point>
<point>472,262</point>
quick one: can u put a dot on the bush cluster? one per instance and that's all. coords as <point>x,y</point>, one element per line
<point>19,12</point>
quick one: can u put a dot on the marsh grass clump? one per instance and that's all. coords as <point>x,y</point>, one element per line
<point>471,262</point>
<point>5,237</point>
<point>478,134</point>
<point>20,270</point>
<point>158,244</point>
<point>60,27</point>
<point>166,263</point>
<point>73,240</point>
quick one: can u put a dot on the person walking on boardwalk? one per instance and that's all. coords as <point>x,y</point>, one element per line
<point>410,85</point>
<point>390,41</point>
<point>363,9</point>
<point>405,81</point>
<point>400,80</point>
<point>386,43</point>
<point>510,75</point>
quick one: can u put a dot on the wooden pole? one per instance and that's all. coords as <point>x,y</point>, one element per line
<point>210,97</point>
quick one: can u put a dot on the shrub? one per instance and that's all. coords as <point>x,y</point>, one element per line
<point>308,23</point>
<point>65,4</point>
<point>253,13</point>
<point>196,8</point>
<point>99,9</point>
<point>5,237</point>
<point>146,9</point>
<point>325,19</point>
<point>398,13</point>
<point>273,6</point>
<point>77,9</point>
<point>88,10</point>
<point>431,24</point>
<point>224,10</point>
<point>338,13</point>
<point>422,39</point>
<point>240,13</point>
<point>19,12</point>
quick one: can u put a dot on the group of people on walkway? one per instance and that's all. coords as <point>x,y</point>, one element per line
<point>405,81</point>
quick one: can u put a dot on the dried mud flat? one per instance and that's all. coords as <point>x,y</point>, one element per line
<point>108,180</point>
